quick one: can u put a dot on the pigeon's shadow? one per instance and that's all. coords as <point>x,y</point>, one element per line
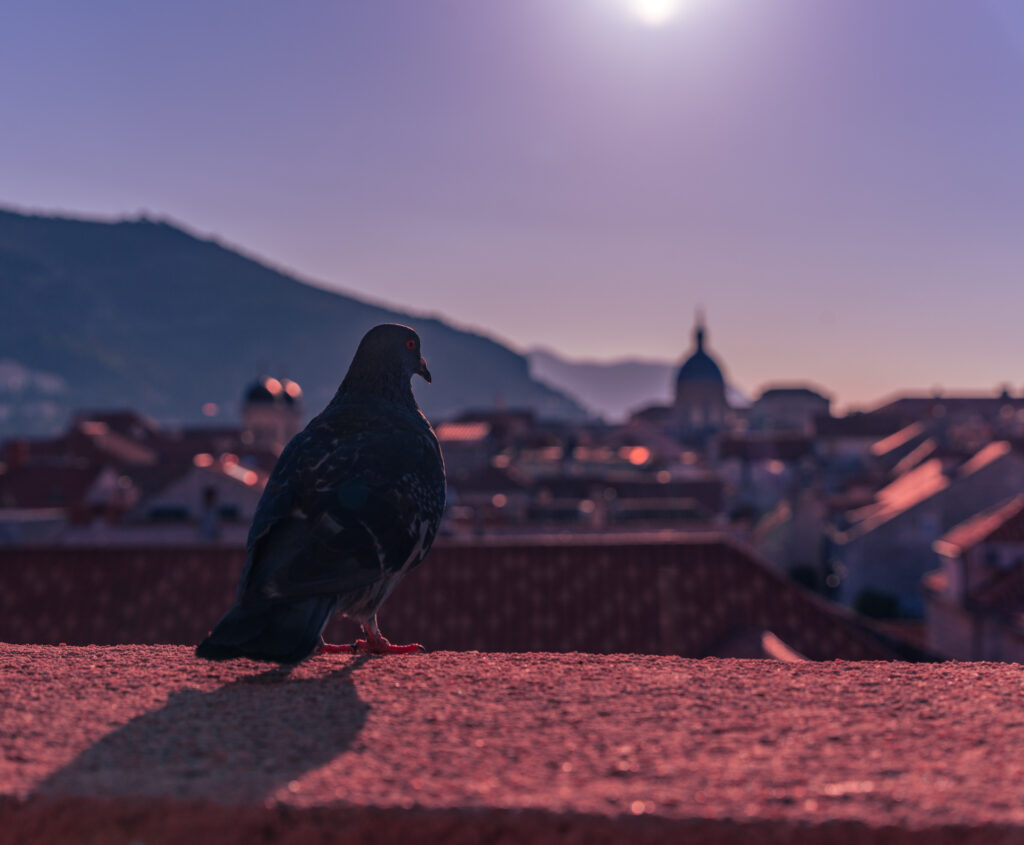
<point>239,742</point>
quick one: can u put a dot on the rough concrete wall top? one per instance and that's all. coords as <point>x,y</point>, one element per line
<point>145,743</point>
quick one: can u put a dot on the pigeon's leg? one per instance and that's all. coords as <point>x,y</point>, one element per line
<point>377,643</point>
<point>331,648</point>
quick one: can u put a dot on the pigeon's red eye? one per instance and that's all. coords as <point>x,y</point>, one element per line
<point>410,344</point>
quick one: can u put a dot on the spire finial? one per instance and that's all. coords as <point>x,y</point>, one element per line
<point>699,330</point>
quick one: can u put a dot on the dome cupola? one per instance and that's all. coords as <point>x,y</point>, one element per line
<point>700,404</point>
<point>265,390</point>
<point>271,412</point>
<point>700,367</point>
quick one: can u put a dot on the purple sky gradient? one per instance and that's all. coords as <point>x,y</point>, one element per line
<point>840,184</point>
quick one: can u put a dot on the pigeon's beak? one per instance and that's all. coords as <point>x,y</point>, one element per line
<point>423,371</point>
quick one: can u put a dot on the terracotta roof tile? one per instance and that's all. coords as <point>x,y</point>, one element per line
<point>1003,523</point>
<point>895,441</point>
<point>1004,594</point>
<point>463,432</point>
<point>916,456</point>
<point>46,486</point>
<point>910,489</point>
<point>490,479</point>
<point>991,453</point>
<point>858,425</point>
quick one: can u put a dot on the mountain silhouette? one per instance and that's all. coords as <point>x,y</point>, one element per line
<point>142,314</point>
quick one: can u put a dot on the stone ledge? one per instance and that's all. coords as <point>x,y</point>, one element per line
<point>145,743</point>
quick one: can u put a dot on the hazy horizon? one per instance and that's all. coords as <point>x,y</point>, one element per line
<point>839,186</point>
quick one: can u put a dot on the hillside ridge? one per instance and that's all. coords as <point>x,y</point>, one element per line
<point>142,313</point>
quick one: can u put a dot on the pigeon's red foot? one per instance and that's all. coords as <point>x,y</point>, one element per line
<point>384,646</point>
<point>381,646</point>
<point>331,648</point>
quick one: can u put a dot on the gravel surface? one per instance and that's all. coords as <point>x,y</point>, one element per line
<point>563,742</point>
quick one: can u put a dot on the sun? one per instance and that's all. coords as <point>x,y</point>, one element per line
<point>654,12</point>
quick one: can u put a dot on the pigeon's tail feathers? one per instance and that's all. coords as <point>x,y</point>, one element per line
<point>279,633</point>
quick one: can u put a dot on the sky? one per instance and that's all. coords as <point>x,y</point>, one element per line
<point>839,185</point>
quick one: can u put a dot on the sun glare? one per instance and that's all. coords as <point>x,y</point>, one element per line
<point>654,12</point>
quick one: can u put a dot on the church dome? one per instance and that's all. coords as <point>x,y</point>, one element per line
<point>700,368</point>
<point>266,390</point>
<point>292,393</point>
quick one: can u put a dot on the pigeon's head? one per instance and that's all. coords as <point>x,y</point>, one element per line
<point>389,350</point>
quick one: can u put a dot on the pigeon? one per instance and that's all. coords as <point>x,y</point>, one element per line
<point>352,505</point>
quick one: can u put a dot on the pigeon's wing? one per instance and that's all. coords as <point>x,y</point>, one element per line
<point>353,500</point>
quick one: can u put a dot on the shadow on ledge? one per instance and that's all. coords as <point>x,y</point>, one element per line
<point>240,742</point>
